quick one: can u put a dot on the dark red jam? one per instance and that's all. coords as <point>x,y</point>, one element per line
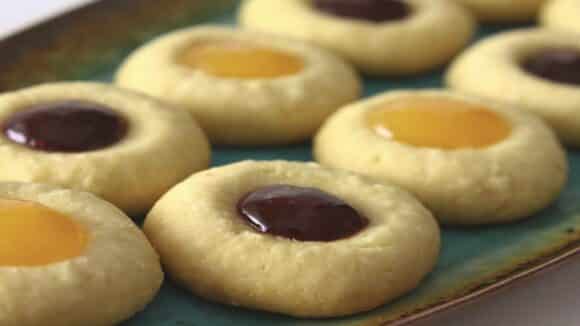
<point>561,65</point>
<point>305,214</point>
<point>68,127</point>
<point>372,10</point>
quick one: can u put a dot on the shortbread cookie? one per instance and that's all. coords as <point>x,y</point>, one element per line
<point>562,15</point>
<point>532,69</point>
<point>293,238</point>
<point>469,161</point>
<point>122,146</point>
<point>69,258</point>
<point>244,88</point>
<point>379,37</point>
<point>503,11</point>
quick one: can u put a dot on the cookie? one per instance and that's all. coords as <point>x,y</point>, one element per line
<point>124,147</point>
<point>70,258</point>
<point>244,88</point>
<point>536,70</point>
<point>503,11</point>
<point>293,238</point>
<point>379,37</point>
<point>562,15</point>
<point>470,161</point>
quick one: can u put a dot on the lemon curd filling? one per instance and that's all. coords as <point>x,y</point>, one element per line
<point>231,59</point>
<point>34,235</point>
<point>439,123</point>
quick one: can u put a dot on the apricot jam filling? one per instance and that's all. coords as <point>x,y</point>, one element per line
<point>233,59</point>
<point>34,235</point>
<point>439,123</point>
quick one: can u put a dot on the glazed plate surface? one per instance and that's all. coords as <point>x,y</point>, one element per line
<point>89,44</point>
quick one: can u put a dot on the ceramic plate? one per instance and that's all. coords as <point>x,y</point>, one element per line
<point>89,43</point>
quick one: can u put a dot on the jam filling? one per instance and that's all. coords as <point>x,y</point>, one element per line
<point>371,10</point>
<point>34,235</point>
<point>299,213</point>
<point>560,65</point>
<point>233,59</point>
<point>67,127</point>
<point>438,123</point>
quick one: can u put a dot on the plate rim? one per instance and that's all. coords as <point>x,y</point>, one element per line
<point>523,272</point>
<point>554,257</point>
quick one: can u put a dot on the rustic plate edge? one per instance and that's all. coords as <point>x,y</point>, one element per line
<point>502,281</point>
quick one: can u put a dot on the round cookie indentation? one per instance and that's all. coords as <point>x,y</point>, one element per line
<point>372,10</point>
<point>34,235</point>
<point>64,252</point>
<point>439,123</point>
<point>561,65</point>
<point>244,87</point>
<point>379,37</point>
<point>533,69</point>
<point>300,213</point>
<point>230,59</point>
<point>125,147</point>
<point>72,126</point>
<point>206,246</point>
<point>516,172</point>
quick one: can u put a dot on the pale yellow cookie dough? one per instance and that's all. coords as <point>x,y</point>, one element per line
<point>116,276</point>
<point>506,181</point>
<point>491,70</point>
<point>503,11</point>
<point>430,37</point>
<point>207,247</point>
<point>244,111</point>
<point>561,14</point>
<point>162,147</point>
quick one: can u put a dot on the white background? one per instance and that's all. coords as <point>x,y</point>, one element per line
<point>548,299</point>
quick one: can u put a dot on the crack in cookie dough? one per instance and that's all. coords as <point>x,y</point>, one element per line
<point>207,247</point>
<point>515,175</point>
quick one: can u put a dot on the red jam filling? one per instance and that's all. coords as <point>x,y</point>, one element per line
<point>305,214</point>
<point>371,10</point>
<point>68,127</point>
<point>561,65</point>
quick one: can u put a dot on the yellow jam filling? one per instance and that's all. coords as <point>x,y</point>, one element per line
<point>440,123</point>
<point>34,235</point>
<point>240,60</point>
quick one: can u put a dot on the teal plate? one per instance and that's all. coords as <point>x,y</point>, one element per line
<point>89,43</point>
